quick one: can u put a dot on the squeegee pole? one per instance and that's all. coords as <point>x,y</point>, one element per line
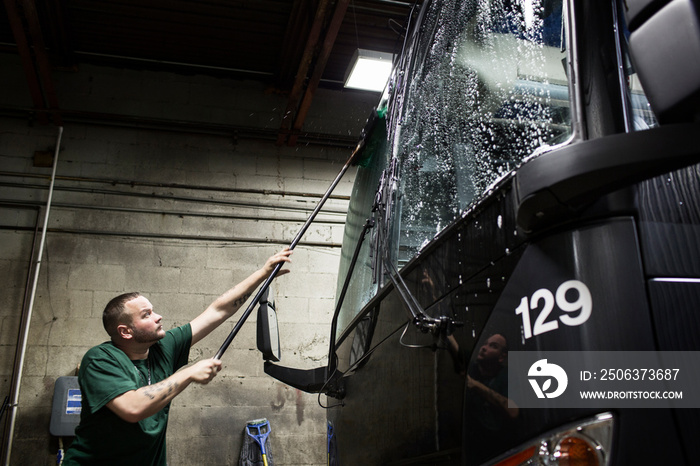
<point>293,244</point>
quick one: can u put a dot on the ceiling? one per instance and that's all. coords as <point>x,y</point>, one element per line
<point>294,46</point>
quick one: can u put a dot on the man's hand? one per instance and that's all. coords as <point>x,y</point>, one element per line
<point>229,302</point>
<point>282,256</point>
<point>204,371</point>
<point>136,405</point>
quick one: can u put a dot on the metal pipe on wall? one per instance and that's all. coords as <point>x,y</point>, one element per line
<point>27,315</point>
<point>176,213</point>
<point>182,126</point>
<point>25,298</point>
<point>171,197</point>
<point>165,236</point>
<point>155,184</point>
<point>190,187</point>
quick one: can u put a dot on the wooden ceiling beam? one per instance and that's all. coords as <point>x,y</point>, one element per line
<point>302,71</point>
<point>42,59</point>
<point>25,55</point>
<point>328,42</point>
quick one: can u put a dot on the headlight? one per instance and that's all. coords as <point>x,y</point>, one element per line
<point>584,443</point>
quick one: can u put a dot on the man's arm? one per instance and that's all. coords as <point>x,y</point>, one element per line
<point>136,405</point>
<point>228,303</point>
<point>507,407</point>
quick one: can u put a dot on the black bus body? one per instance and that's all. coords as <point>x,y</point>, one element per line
<point>520,183</point>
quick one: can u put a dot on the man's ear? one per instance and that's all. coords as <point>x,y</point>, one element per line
<point>124,331</point>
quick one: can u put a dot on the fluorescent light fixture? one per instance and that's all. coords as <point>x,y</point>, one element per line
<point>369,70</point>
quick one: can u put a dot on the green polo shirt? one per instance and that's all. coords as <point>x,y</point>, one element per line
<point>102,438</point>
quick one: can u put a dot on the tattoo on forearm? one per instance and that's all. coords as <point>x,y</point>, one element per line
<point>161,389</point>
<point>238,302</point>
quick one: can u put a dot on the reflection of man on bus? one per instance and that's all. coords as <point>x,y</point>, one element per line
<point>489,418</point>
<point>488,378</point>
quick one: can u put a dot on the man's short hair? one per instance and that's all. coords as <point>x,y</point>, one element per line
<point>504,349</point>
<point>505,345</point>
<point>114,315</point>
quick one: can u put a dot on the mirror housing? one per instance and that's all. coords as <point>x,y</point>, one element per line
<point>306,380</point>
<point>314,380</point>
<point>268,338</point>
<point>665,48</point>
<point>268,342</point>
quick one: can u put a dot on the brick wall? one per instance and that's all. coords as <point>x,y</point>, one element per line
<point>181,216</point>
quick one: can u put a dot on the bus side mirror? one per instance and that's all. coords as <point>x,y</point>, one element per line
<point>665,46</point>
<point>268,336</point>
<point>268,342</point>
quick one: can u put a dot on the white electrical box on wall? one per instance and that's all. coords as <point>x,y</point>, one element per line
<point>65,412</point>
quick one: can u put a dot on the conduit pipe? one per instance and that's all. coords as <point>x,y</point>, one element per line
<point>27,314</point>
<point>165,236</point>
<point>161,212</point>
<point>195,200</point>
<point>191,187</point>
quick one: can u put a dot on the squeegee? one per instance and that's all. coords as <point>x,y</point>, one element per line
<point>356,158</point>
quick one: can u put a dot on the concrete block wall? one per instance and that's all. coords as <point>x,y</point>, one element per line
<point>180,217</point>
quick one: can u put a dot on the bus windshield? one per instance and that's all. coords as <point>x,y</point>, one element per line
<point>483,87</point>
<point>488,88</point>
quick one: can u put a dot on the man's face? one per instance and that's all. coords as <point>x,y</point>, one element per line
<point>493,349</point>
<point>146,325</point>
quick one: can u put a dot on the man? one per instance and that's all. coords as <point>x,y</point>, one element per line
<point>489,417</point>
<point>488,378</point>
<point>127,383</point>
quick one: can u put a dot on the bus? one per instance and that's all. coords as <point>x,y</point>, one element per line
<point>531,184</point>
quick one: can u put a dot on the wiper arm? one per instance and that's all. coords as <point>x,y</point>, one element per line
<point>382,206</point>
